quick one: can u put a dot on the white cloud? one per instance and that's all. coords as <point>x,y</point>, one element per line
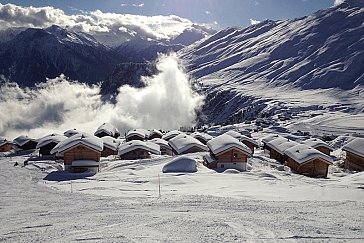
<point>207,12</point>
<point>161,27</point>
<point>337,2</point>
<point>132,5</point>
<point>253,21</point>
<point>167,102</point>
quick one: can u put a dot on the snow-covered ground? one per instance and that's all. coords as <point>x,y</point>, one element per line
<point>121,204</point>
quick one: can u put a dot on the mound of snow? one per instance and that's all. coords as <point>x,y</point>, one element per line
<point>231,171</point>
<point>180,164</point>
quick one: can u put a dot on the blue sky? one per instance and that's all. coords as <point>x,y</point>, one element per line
<point>217,13</point>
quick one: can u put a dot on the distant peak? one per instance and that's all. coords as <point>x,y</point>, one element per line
<point>350,3</point>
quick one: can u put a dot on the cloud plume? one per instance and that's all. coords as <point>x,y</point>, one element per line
<point>167,102</point>
<point>160,27</point>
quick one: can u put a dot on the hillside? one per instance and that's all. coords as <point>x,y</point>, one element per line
<point>241,69</point>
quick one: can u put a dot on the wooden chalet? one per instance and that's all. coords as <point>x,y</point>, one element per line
<point>202,137</point>
<point>6,145</point>
<point>319,145</point>
<point>47,143</point>
<point>107,129</point>
<point>267,139</point>
<point>185,144</point>
<point>227,152</point>
<point>25,143</point>
<point>80,147</point>
<point>308,161</point>
<point>137,134</point>
<point>251,143</point>
<point>164,146</point>
<point>110,146</point>
<point>136,149</point>
<point>155,134</point>
<point>354,150</point>
<point>278,146</point>
<point>171,134</point>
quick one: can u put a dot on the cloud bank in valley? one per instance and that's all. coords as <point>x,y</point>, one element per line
<point>160,27</point>
<point>167,102</point>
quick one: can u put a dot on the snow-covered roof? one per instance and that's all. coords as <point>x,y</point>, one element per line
<point>224,142</point>
<point>5,141</point>
<point>136,144</point>
<point>302,153</point>
<point>71,132</point>
<point>184,142</point>
<point>110,142</point>
<point>79,138</point>
<point>51,138</point>
<point>161,142</point>
<point>355,146</point>
<point>180,165</point>
<point>315,143</point>
<point>107,128</point>
<point>142,133</point>
<point>171,134</point>
<point>209,158</point>
<point>269,138</point>
<point>77,163</point>
<point>155,131</point>
<point>21,140</point>
<point>234,134</point>
<point>244,138</point>
<point>204,136</point>
<point>281,144</point>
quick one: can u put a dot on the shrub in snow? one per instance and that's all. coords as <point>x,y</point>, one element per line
<point>180,164</point>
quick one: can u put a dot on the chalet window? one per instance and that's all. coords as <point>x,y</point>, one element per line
<point>234,163</point>
<point>236,155</point>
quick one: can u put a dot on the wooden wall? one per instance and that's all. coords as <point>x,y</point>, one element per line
<point>46,149</point>
<point>134,138</point>
<point>277,156</point>
<point>324,150</point>
<point>80,152</point>
<point>6,147</point>
<point>232,155</point>
<point>315,168</point>
<point>354,162</point>
<point>250,145</point>
<point>29,145</point>
<point>166,151</point>
<point>107,152</point>
<point>136,154</point>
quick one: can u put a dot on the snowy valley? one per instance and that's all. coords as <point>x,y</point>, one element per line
<point>136,135</point>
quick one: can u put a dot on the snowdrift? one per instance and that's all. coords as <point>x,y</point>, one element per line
<point>181,164</point>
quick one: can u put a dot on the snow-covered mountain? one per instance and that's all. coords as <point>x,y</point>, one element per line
<point>241,69</point>
<point>36,54</point>
<point>29,56</point>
